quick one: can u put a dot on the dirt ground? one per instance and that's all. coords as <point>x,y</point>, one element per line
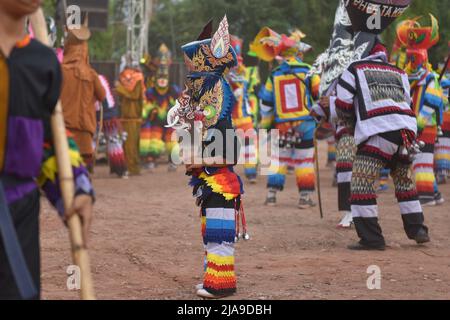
<point>146,244</point>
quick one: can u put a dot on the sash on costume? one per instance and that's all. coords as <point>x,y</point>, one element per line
<point>14,252</point>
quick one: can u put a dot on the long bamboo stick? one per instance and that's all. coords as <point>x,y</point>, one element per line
<point>80,255</point>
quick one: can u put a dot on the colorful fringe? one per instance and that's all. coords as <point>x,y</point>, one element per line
<point>224,182</point>
<point>220,277</point>
<point>442,149</point>
<point>48,179</point>
<point>331,149</point>
<point>116,155</point>
<point>304,170</point>
<point>301,158</point>
<point>151,143</point>
<point>218,231</point>
<point>423,165</point>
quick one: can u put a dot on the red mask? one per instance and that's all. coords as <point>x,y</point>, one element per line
<point>417,58</point>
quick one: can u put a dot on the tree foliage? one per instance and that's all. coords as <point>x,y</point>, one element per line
<point>176,22</point>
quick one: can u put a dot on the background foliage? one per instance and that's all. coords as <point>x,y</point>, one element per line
<point>176,22</point>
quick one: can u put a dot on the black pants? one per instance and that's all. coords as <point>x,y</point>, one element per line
<point>25,215</point>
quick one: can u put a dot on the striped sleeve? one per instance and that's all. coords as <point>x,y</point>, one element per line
<point>432,111</point>
<point>345,92</point>
<point>344,102</point>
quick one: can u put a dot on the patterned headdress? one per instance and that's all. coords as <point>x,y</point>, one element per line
<point>208,96</point>
<point>417,40</point>
<point>412,35</point>
<point>162,61</point>
<point>374,16</point>
<point>341,52</point>
<point>268,44</point>
<point>370,18</point>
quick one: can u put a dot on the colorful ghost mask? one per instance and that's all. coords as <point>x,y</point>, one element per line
<point>269,45</point>
<point>163,62</point>
<point>417,40</point>
<point>208,97</point>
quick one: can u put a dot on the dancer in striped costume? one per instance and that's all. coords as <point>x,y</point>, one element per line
<point>285,103</point>
<point>208,101</point>
<point>427,102</point>
<point>373,100</point>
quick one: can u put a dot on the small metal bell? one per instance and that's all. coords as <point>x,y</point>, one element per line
<point>404,151</point>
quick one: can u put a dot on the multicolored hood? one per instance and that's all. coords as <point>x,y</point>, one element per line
<point>374,16</point>
<point>341,52</point>
<point>412,35</point>
<point>207,97</point>
<point>417,40</point>
<point>269,45</point>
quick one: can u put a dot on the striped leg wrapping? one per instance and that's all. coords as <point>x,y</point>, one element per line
<point>345,155</point>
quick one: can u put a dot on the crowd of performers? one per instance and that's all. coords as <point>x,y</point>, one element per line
<point>380,115</point>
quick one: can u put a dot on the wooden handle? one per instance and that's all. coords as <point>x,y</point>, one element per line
<point>80,255</point>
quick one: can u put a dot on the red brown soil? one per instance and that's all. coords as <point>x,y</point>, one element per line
<point>146,245</point>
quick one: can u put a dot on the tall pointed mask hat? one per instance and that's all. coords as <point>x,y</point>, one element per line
<point>208,96</point>
<point>340,54</point>
<point>268,44</point>
<point>374,16</point>
<point>417,40</point>
<point>370,18</point>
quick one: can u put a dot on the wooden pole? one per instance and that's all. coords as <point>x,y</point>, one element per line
<point>317,170</point>
<point>79,253</point>
<point>97,142</point>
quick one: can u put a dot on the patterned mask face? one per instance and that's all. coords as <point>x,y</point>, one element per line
<point>417,59</point>
<point>417,39</point>
<point>208,96</point>
<point>163,61</point>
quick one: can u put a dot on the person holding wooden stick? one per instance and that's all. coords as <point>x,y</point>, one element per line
<point>30,84</point>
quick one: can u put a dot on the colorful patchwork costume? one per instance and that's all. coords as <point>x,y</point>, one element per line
<point>427,102</point>
<point>373,98</point>
<point>30,83</point>
<point>208,100</point>
<point>155,137</point>
<point>242,115</point>
<point>442,153</point>
<point>285,103</point>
